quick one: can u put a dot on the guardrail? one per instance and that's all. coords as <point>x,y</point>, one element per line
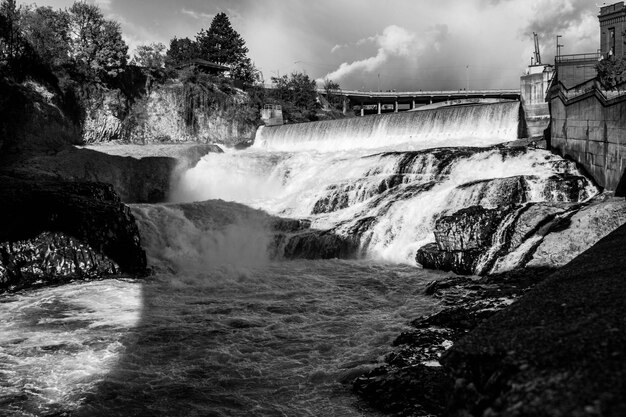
<point>420,93</point>
<point>594,56</point>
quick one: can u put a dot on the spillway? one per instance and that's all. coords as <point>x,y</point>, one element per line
<point>478,125</point>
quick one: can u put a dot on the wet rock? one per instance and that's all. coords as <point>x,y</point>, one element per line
<point>469,229</point>
<point>408,391</point>
<point>460,262</point>
<point>55,257</point>
<point>318,244</point>
<point>574,235</point>
<point>90,215</point>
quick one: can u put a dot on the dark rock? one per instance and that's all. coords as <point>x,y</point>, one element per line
<point>320,245</point>
<point>559,351</point>
<point>55,257</point>
<point>460,262</point>
<point>468,229</point>
<point>409,391</point>
<point>91,214</point>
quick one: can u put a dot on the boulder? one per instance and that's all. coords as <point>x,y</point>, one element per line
<point>53,257</point>
<point>468,229</point>
<point>460,262</point>
<point>574,235</point>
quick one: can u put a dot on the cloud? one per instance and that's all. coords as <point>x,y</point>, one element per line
<point>195,14</point>
<point>103,4</point>
<point>394,42</point>
<point>338,47</point>
<point>574,20</point>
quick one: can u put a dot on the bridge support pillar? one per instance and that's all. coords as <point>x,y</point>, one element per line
<point>345,105</point>
<point>431,100</point>
<point>379,107</point>
<point>395,107</point>
<point>412,104</point>
<point>362,110</point>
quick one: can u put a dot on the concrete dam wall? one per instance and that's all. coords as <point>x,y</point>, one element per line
<point>589,126</point>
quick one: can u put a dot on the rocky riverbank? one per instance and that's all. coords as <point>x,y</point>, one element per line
<point>528,342</point>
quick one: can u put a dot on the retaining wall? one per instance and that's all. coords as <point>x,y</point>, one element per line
<point>590,128</point>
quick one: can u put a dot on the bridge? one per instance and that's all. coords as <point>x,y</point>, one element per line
<point>372,102</point>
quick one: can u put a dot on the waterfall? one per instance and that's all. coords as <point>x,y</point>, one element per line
<point>475,125</point>
<point>388,201</point>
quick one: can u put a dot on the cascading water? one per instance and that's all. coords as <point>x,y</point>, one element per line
<point>225,327</point>
<point>453,126</point>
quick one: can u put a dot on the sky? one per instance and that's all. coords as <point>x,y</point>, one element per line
<point>404,45</point>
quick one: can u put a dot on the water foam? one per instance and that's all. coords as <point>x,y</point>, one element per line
<point>398,195</point>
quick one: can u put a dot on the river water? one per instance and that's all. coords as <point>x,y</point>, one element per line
<point>270,340</point>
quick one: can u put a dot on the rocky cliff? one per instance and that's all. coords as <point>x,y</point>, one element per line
<point>170,112</point>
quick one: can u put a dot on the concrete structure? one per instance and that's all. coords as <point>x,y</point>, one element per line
<point>372,102</point>
<point>205,66</point>
<point>612,26</point>
<point>588,123</point>
<point>272,115</point>
<point>533,87</point>
<point>576,69</point>
<point>590,128</point>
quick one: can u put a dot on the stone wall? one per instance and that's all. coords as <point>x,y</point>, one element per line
<point>590,128</point>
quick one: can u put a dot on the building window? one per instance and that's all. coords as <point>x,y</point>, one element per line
<point>611,41</point>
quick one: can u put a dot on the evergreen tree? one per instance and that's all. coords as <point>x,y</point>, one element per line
<point>221,43</point>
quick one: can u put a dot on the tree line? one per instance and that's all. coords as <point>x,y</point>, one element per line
<point>82,44</point>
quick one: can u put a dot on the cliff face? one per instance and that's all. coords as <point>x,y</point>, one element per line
<point>172,112</point>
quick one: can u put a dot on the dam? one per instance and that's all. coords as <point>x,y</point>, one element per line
<point>451,126</point>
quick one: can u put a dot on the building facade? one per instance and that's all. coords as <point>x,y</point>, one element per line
<point>612,26</point>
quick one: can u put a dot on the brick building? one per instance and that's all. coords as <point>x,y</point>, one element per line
<point>612,26</point>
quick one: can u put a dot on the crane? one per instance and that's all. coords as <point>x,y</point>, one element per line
<point>537,53</point>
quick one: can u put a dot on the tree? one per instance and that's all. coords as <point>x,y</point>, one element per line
<point>611,72</point>
<point>297,89</point>
<point>150,56</point>
<point>47,31</point>
<point>332,91</point>
<point>181,51</point>
<point>96,44</point>
<point>246,72</point>
<point>11,40</point>
<point>221,43</point>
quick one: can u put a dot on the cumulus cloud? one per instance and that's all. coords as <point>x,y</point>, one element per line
<point>394,42</point>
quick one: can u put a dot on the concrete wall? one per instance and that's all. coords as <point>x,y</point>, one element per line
<point>591,130</point>
<point>272,116</point>
<point>533,88</point>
